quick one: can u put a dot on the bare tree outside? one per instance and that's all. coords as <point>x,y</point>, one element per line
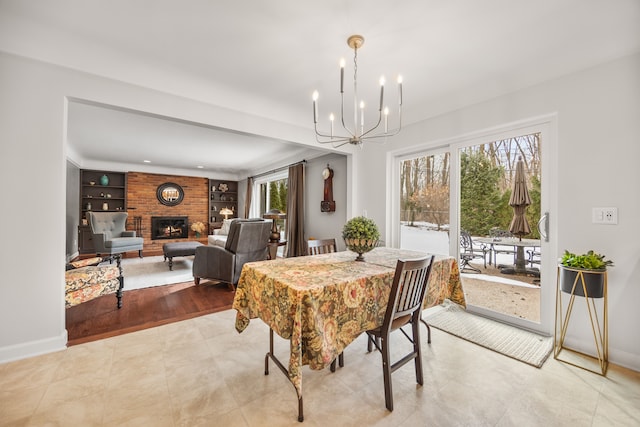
<point>425,184</point>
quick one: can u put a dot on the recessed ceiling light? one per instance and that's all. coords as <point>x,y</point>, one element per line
<point>200,167</point>
<point>147,161</point>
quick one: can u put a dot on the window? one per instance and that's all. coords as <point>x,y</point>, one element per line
<point>270,192</point>
<point>424,203</point>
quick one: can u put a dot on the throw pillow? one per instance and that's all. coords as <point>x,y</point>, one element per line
<point>226,224</point>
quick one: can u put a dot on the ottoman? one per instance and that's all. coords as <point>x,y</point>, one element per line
<point>174,249</point>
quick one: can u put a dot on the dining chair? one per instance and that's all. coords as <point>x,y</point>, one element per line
<point>318,247</point>
<point>498,248</point>
<point>469,252</point>
<point>404,307</point>
<point>321,246</point>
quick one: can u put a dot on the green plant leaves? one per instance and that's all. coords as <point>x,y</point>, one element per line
<point>360,228</point>
<point>589,261</point>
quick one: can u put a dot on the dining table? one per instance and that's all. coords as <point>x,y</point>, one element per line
<point>520,265</point>
<point>322,303</point>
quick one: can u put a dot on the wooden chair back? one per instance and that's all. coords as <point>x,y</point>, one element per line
<point>407,292</point>
<point>321,246</point>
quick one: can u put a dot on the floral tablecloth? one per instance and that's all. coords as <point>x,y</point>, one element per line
<point>322,303</point>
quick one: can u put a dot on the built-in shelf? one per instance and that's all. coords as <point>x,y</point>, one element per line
<point>96,197</point>
<point>222,194</point>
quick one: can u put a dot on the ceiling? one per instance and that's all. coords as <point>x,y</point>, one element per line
<point>265,58</point>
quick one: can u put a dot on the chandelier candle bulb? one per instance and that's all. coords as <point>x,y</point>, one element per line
<point>386,119</point>
<point>331,118</point>
<point>315,106</point>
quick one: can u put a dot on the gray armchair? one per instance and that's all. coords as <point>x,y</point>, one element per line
<point>109,233</point>
<point>246,242</point>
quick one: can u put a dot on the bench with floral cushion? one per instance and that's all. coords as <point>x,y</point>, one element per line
<point>86,279</point>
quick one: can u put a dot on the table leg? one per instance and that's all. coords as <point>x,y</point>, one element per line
<point>520,266</point>
<point>272,356</point>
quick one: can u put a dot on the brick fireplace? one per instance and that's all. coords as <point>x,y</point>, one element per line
<point>142,203</point>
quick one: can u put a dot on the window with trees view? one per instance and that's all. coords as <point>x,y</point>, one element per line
<point>273,195</point>
<point>486,174</point>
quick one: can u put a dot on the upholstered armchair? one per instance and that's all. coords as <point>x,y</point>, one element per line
<point>247,241</point>
<point>110,236</point>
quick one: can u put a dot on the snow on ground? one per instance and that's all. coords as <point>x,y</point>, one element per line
<point>425,238</point>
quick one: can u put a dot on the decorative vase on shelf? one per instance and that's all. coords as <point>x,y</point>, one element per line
<point>105,206</point>
<point>104,180</point>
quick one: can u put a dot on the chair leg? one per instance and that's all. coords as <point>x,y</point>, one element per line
<point>415,327</point>
<point>428,330</point>
<point>386,373</point>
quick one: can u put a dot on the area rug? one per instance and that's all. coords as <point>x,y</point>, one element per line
<point>525,346</point>
<point>154,271</point>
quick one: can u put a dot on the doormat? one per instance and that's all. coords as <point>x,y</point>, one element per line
<point>525,346</point>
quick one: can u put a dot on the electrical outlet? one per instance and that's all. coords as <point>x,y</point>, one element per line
<point>605,216</point>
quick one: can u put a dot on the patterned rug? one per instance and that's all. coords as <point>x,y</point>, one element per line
<point>525,346</point>
<point>154,271</point>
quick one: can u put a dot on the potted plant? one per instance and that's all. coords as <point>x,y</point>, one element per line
<point>360,235</point>
<point>590,267</point>
<point>198,228</point>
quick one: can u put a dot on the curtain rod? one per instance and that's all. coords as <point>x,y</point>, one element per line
<point>278,169</point>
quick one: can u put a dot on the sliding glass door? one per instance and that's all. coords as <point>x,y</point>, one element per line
<point>501,263</point>
<point>464,189</point>
<point>425,202</point>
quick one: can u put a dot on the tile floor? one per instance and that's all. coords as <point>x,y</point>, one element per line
<point>201,372</point>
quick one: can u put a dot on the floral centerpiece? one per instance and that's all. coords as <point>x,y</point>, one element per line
<point>360,235</point>
<point>198,228</point>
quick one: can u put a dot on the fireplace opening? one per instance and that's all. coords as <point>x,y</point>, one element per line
<point>169,227</point>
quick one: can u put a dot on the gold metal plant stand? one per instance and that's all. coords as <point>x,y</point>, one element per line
<point>600,332</point>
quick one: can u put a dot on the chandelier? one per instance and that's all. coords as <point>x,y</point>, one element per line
<point>356,133</point>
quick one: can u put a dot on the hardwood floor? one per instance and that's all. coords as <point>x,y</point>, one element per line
<point>144,308</point>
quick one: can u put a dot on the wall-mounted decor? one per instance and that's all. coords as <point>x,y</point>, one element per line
<point>328,204</point>
<point>170,194</point>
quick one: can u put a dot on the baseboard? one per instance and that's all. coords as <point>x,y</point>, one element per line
<point>616,357</point>
<point>33,348</point>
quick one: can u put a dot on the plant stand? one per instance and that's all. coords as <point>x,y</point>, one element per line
<point>600,332</point>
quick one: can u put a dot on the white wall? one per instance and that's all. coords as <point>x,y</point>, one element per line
<point>33,170</point>
<point>326,225</point>
<point>598,120</point>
